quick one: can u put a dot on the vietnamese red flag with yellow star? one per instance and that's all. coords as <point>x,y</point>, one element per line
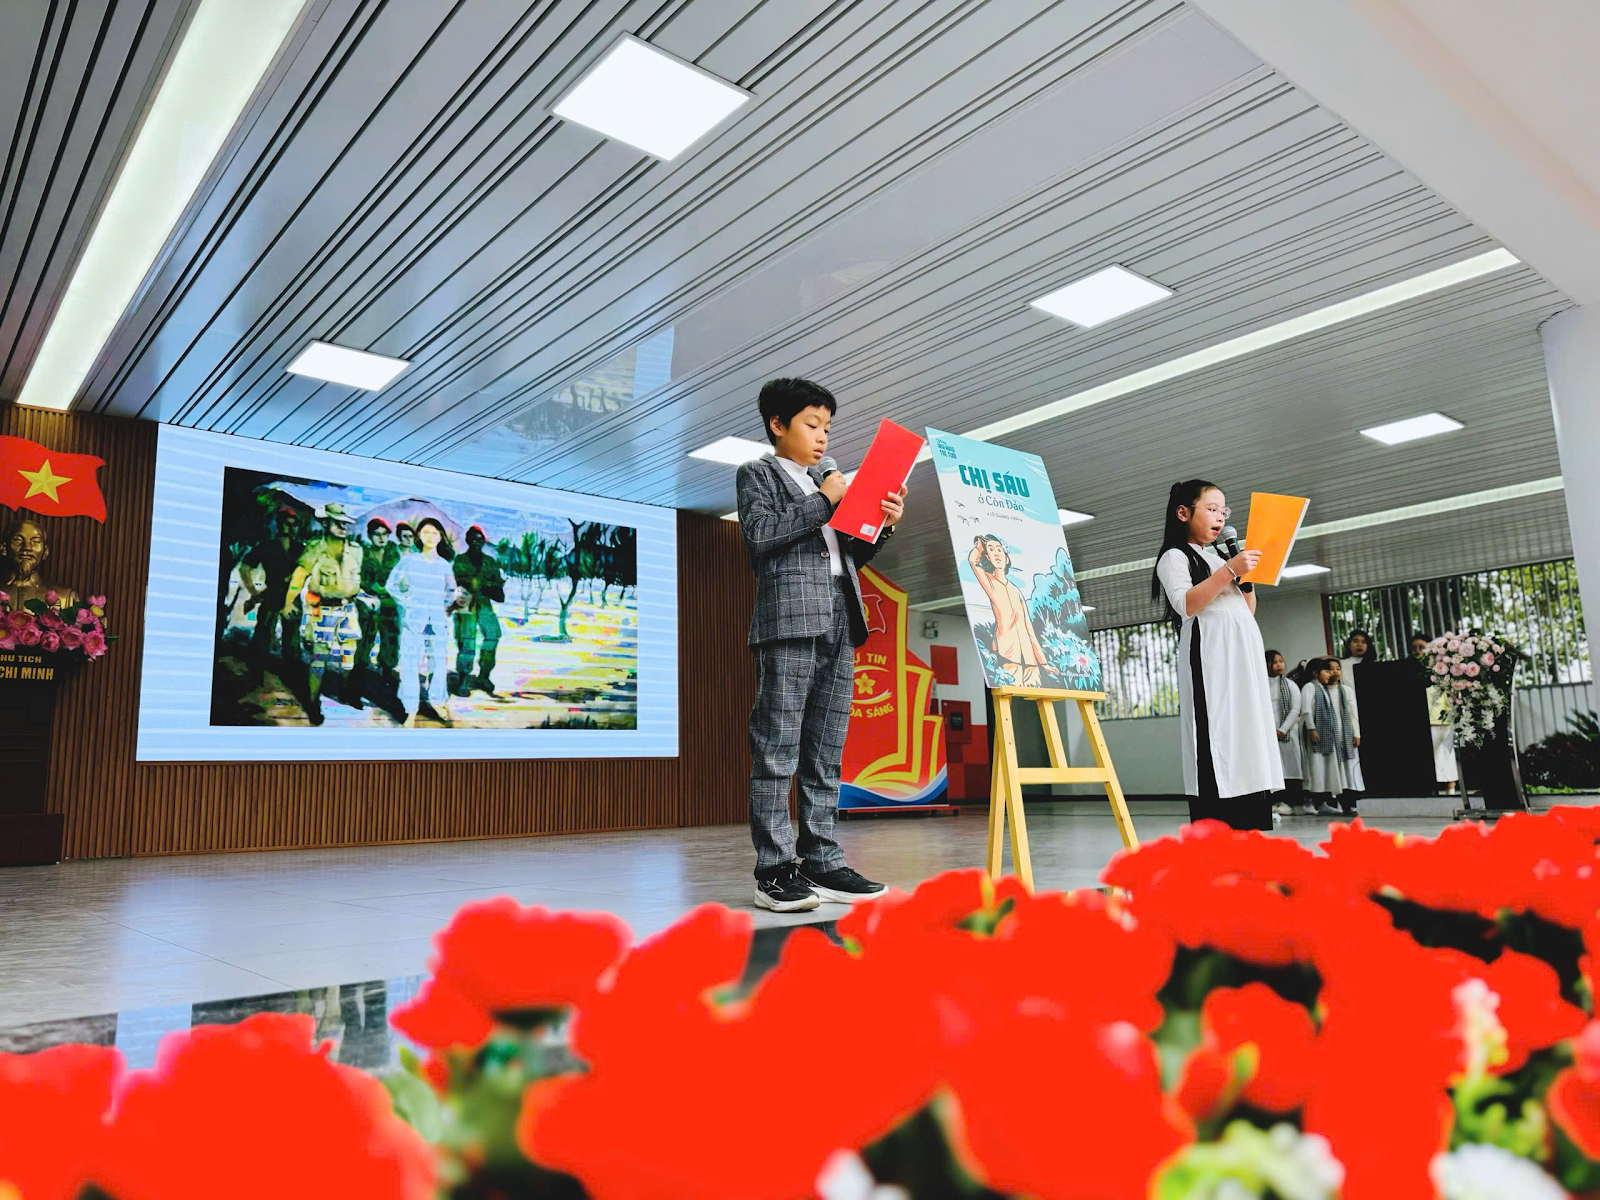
<point>48,482</point>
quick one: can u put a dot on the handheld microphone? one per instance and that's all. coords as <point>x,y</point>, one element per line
<point>1229,541</point>
<point>827,466</point>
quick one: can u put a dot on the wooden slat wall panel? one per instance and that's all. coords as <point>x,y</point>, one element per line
<point>716,674</point>
<point>97,711</point>
<point>116,806</point>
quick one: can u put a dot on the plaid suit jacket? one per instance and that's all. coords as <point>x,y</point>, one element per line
<point>783,537</point>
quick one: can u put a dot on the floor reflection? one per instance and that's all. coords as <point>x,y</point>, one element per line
<point>353,1016</point>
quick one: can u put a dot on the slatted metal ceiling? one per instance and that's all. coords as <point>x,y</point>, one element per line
<point>75,79</point>
<point>909,176</point>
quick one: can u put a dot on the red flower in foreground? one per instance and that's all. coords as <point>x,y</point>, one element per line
<point>1574,1097</point>
<point>497,956</point>
<point>255,1110</point>
<point>712,1135</point>
<point>1531,1007</point>
<point>52,1108</point>
<point>1258,898</point>
<point>1523,863</point>
<point>1031,952</point>
<point>663,980</point>
<point>1064,1110</point>
<point>1281,1031</point>
<point>1388,1049</point>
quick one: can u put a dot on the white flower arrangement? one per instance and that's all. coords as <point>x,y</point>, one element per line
<point>1474,672</point>
<point>1486,1172</point>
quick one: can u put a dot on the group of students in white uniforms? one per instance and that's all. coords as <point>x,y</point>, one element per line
<point>1318,728</point>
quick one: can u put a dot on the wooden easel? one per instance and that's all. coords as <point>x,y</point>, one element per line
<point>1005,800</point>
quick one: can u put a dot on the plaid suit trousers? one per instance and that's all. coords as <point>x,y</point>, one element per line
<point>802,712</point>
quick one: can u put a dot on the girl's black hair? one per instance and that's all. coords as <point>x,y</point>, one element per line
<point>1372,650</point>
<point>1272,654</point>
<point>445,550</point>
<point>1175,536</point>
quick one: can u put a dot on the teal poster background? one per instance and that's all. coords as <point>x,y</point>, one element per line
<point>1016,574</point>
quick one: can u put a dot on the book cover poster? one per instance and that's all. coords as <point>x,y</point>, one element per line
<point>894,754</point>
<point>1016,575</point>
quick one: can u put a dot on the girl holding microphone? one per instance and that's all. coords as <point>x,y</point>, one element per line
<point>1228,734</point>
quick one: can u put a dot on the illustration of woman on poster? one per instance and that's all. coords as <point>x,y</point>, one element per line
<point>1015,644</point>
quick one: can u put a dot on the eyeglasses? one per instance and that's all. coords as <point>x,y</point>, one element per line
<point>1224,513</point>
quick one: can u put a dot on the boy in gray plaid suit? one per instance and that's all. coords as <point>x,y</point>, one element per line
<point>807,623</point>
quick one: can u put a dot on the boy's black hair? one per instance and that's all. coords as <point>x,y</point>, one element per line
<point>786,399</point>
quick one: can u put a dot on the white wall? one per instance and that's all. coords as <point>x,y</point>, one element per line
<point>1144,751</point>
<point>1291,622</point>
<point>953,631</point>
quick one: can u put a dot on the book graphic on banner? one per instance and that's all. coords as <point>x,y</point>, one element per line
<point>1274,525</point>
<point>1016,575</point>
<point>886,468</point>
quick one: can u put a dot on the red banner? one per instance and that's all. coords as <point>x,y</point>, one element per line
<point>50,483</point>
<point>894,755</point>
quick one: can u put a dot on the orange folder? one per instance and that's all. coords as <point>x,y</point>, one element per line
<point>1274,524</point>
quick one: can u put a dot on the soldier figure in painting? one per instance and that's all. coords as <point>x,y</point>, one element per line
<point>330,572</point>
<point>380,616</point>
<point>478,575</point>
<point>25,552</point>
<point>276,559</point>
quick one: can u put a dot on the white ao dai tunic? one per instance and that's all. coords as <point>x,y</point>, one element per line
<point>1239,709</point>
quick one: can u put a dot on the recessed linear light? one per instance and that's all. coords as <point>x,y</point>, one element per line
<point>1086,607</point>
<point>214,72</point>
<point>1388,516</point>
<point>1249,343</point>
<point>1069,517</point>
<point>647,98</point>
<point>1101,297</point>
<point>352,368</point>
<point>1412,428</point>
<point>1303,570</point>
<point>732,451</point>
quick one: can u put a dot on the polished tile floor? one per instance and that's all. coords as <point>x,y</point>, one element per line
<point>117,935</point>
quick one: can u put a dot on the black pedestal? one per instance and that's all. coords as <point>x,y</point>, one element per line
<point>29,836</point>
<point>1491,770</point>
<point>1396,746</point>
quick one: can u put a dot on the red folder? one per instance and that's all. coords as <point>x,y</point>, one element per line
<point>887,467</point>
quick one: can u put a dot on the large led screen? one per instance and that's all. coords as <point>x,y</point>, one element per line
<point>305,605</point>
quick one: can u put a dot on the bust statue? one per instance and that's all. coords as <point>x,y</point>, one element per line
<point>25,552</point>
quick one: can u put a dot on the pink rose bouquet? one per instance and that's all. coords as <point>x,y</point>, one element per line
<point>73,631</point>
<point>1470,663</point>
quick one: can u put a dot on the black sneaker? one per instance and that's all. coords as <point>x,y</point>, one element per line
<point>842,885</point>
<point>784,891</point>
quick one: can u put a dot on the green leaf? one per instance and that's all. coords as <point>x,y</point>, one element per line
<point>416,1104</point>
<point>1179,1034</point>
<point>410,1061</point>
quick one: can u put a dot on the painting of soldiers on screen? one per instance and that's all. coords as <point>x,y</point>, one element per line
<point>357,607</point>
